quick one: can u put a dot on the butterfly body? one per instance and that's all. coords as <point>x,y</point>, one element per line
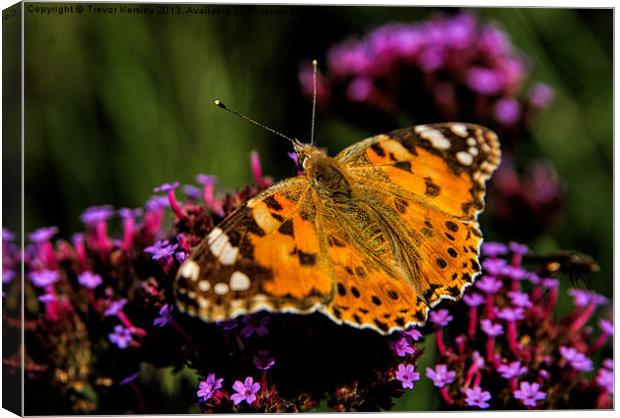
<point>372,237</point>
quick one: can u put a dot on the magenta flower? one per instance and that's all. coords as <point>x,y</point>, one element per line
<point>477,397</point>
<point>166,187</point>
<point>507,111</point>
<point>608,364</point>
<point>493,249</point>
<point>484,81</point>
<point>254,325</point>
<point>121,337</point>
<point>115,307</point>
<point>512,370</point>
<point>440,375</point>
<point>89,279</point>
<point>7,235</point>
<point>494,266</point>
<point>489,284</point>
<point>491,329</point>
<point>246,391</point>
<point>413,333</point>
<point>96,214</point>
<point>43,234</point>
<point>606,326</point>
<point>580,297</point>
<point>473,300</point>
<point>44,278</point>
<point>401,347</point>
<point>440,318</point>
<point>47,298</point>
<point>576,359</point>
<point>262,361</point>
<point>161,249</point>
<point>208,387</point>
<point>605,379</point>
<point>406,374</point>
<point>511,314</point>
<point>520,299</point>
<point>517,248</point>
<point>550,283</point>
<point>540,95</point>
<point>127,213</point>
<point>7,276</point>
<point>529,394</point>
<point>165,316</point>
<point>515,273</point>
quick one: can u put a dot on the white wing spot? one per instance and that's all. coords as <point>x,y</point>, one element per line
<point>464,158</point>
<point>204,285</point>
<point>228,255</point>
<point>190,269</point>
<point>220,289</point>
<point>473,151</point>
<point>471,141</point>
<point>203,302</point>
<point>420,128</point>
<point>436,138</point>
<point>239,281</point>
<point>459,129</point>
<point>221,247</point>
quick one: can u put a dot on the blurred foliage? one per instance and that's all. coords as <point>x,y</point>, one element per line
<point>118,104</point>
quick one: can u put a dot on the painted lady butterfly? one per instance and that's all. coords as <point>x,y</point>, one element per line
<point>372,237</point>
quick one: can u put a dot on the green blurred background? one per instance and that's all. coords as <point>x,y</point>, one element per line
<point>118,104</point>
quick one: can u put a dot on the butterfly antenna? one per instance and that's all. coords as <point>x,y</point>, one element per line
<point>218,103</point>
<point>314,69</point>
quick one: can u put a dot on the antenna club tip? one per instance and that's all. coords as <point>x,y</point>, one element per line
<point>219,104</point>
<point>315,62</point>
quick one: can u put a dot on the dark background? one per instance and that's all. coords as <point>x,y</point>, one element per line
<point>118,104</point>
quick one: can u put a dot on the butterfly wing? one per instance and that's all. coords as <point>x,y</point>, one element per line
<point>433,178</point>
<point>264,256</point>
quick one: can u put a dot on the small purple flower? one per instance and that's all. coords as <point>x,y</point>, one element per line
<point>580,297</point>
<point>550,283</point>
<point>491,329</point>
<point>360,89</point>
<point>440,375</point>
<point>507,111</point>
<point>208,387</point>
<point>512,370</point>
<point>161,249</point>
<point>192,192</point>
<point>406,374</point>
<point>401,347</point>
<point>477,397</point>
<point>441,318</point>
<point>157,202</point>
<point>7,276</point>
<point>494,266</point>
<point>511,314</point>
<point>605,379</point>
<point>205,180</point>
<point>520,299</point>
<point>262,361</point>
<point>529,394</point>
<point>115,307</point>
<point>127,213</point>
<point>165,316</point>
<point>484,80</point>
<point>96,214</point>
<point>515,273</point>
<point>608,364</point>
<point>252,325</point>
<point>517,248</point>
<point>181,256</point>
<point>89,280</point>
<point>413,333</point>
<point>166,187</point>
<point>44,278</point>
<point>489,284</point>
<point>7,235</point>
<point>246,391</point>
<point>540,95</point>
<point>576,359</point>
<point>47,298</point>
<point>43,234</point>
<point>473,300</point>
<point>597,299</point>
<point>606,326</point>
<point>493,249</point>
<point>121,336</point>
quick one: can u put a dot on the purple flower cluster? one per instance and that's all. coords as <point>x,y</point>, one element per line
<point>543,357</point>
<point>442,62</point>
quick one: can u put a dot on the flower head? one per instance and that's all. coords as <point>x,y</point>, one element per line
<point>127,213</point>
<point>540,95</point>
<point>489,285</point>
<point>121,337</point>
<point>406,374</point>
<point>43,234</point>
<point>166,187</point>
<point>246,391</point>
<point>115,307</point>
<point>605,379</point>
<point>89,279</point>
<point>165,316</point>
<point>576,359</point>
<point>491,329</point>
<point>493,249</point>
<point>161,249</point>
<point>402,347</point>
<point>262,361</point>
<point>520,299</point>
<point>529,393</point>
<point>508,111</point>
<point>606,326</point>
<point>511,314</point>
<point>95,214</point>
<point>473,299</point>
<point>494,266</point>
<point>44,278</point>
<point>440,375</point>
<point>7,235</point>
<point>512,370</point>
<point>441,318</point>
<point>517,248</point>
<point>477,397</point>
<point>208,387</point>
<point>413,333</point>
